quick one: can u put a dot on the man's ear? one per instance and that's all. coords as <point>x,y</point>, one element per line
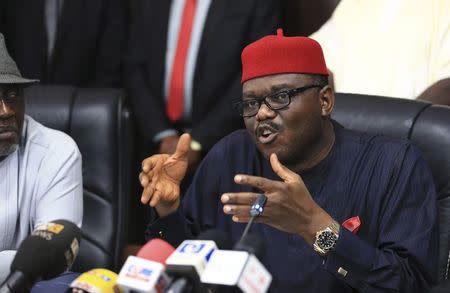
<point>326,100</point>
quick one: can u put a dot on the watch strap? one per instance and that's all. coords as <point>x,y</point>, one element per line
<point>333,228</point>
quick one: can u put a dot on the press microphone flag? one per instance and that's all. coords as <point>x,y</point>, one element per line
<point>141,275</point>
<point>189,260</point>
<point>145,272</point>
<point>237,268</point>
<point>241,268</point>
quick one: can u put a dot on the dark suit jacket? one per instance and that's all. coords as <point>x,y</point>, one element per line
<point>89,42</point>
<point>229,27</point>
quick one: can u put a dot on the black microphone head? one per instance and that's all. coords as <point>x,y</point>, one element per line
<point>219,237</point>
<point>62,240</point>
<point>252,243</point>
<point>32,258</point>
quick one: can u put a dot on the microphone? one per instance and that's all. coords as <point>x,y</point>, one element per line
<point>239,268</point>
<point>95,281</point>
<point>145,272</point>
<point>49,251</point>
<point>190,258</point>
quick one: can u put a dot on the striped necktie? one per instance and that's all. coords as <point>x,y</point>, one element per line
<point>175,102</point>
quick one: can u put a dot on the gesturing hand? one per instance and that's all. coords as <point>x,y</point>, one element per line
<point>289,206</point>
<point>161,177</point>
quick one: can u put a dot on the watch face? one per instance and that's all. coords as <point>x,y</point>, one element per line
<point>326,240</point>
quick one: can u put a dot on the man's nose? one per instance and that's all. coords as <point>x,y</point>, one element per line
<point>265,112</point>
<point>5,110</point>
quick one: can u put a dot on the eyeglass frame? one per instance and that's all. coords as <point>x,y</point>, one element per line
<point>290,93</point>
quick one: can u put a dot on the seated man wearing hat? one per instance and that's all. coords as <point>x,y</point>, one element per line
<point>345,211</point>
<point>40,168</point>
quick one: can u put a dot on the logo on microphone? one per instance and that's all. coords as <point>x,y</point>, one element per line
<point>48,230</point>
<point>192,248</point>
<point>51,227</point>
<point>138,272</point>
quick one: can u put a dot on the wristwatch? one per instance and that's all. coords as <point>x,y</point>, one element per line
<point>327,238</point>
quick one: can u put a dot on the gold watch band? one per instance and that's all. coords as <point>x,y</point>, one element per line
<point>335,227</point>
<point>332,228</point>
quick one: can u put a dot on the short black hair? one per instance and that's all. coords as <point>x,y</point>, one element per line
<point>320,79</point>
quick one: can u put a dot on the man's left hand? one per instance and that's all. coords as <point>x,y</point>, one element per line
<point>289,205</point>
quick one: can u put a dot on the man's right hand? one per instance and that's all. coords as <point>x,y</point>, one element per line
<point>161,177</point>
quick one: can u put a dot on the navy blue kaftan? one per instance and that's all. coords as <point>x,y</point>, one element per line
<point>384,181</point>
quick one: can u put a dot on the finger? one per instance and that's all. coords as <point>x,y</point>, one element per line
<point>152,175</point>
<point>183,147</point>
<point>148,191</point>
<point>151,187</point>
<point>143,179</point>
<point>240,219</point>
<point>286,174</point>
<point>149,163</point>
<point>261,183</point>
<point>240,198</point>
<point>146,194</point>
<point>155,198</point>
<point>238,210</point>
<point>244,217</point>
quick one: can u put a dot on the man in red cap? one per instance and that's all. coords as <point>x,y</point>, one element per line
<point>345,211</point>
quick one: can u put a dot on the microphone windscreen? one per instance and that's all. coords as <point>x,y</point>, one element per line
<point>64,239</point>
<point>49,250</point>
<point>32,257</point>
<point>252,243</point>
<point>219,237</point>
<point>156,250</point>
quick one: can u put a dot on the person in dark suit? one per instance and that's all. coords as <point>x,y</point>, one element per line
<point>74,42</point>
<point>220,29</point>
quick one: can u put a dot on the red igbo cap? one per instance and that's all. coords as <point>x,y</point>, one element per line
<point>279,54</point>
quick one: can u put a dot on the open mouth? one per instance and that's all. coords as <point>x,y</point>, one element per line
<point>266,134</point>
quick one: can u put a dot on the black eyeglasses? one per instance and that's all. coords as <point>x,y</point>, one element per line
<point>276,101</point>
